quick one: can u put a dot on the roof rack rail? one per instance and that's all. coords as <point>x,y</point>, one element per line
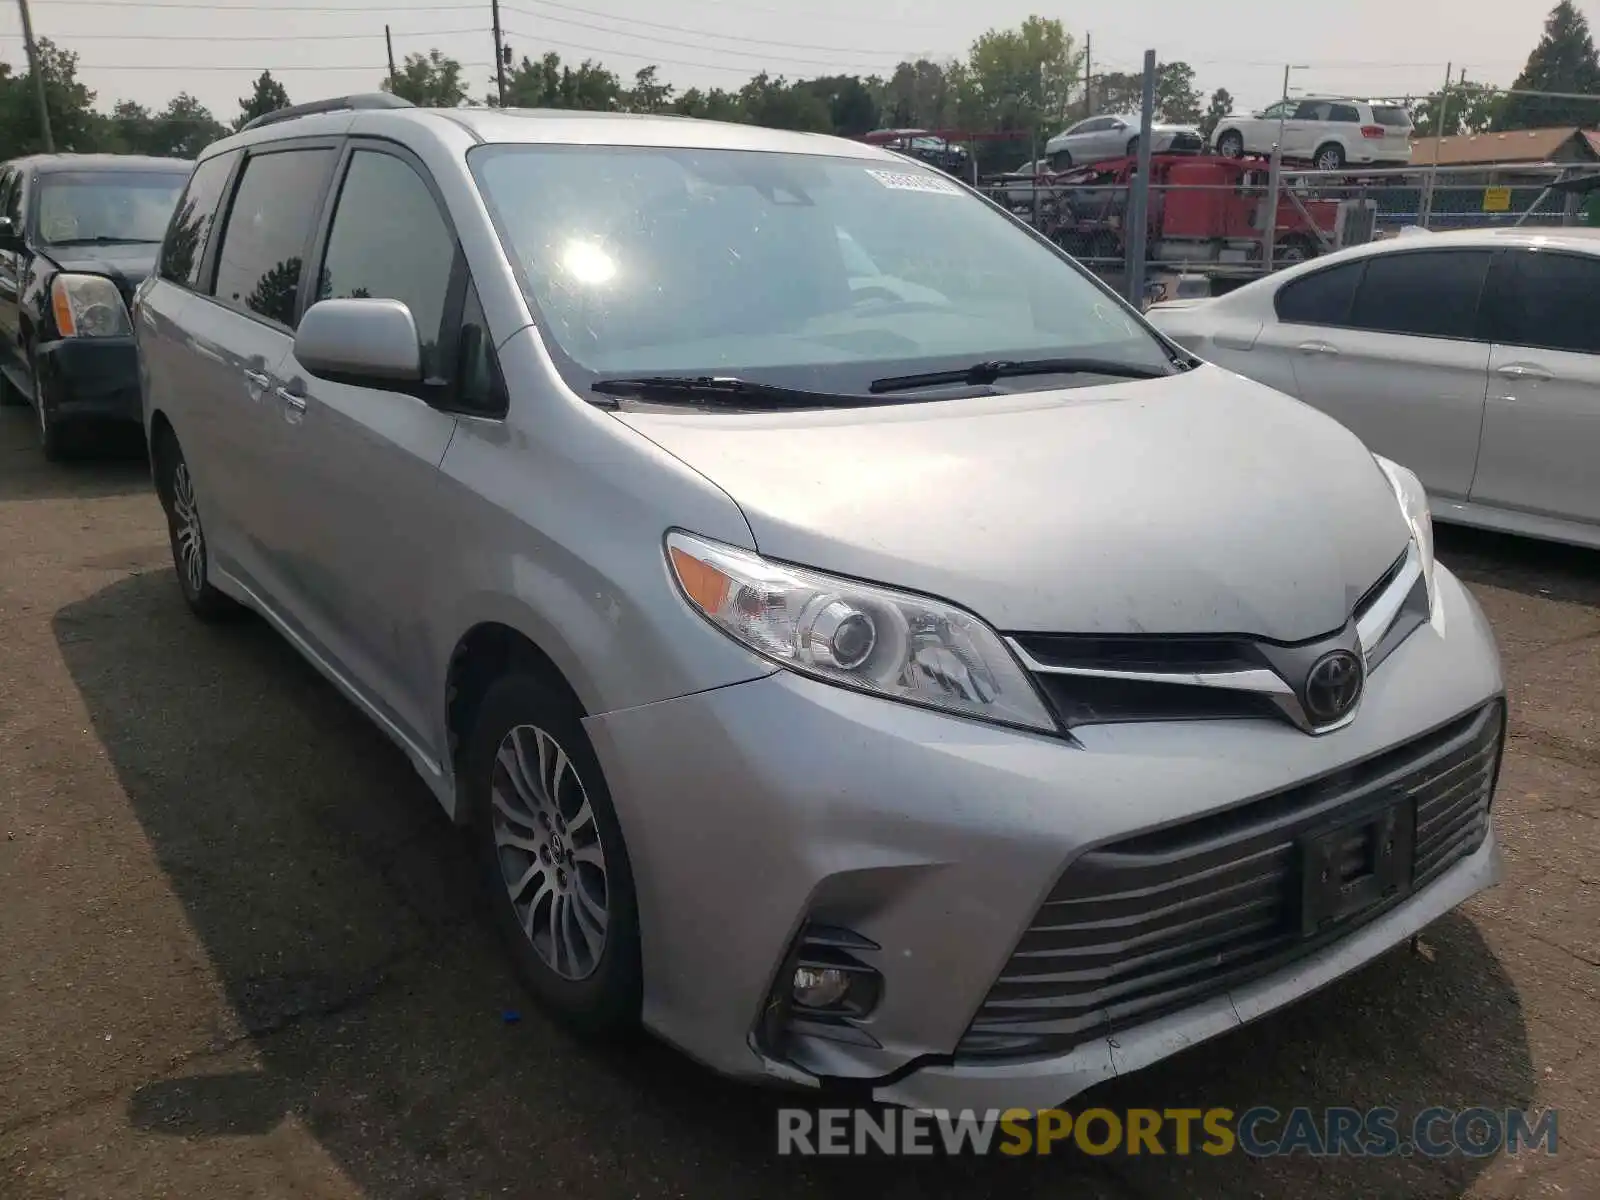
<point>336,104</point>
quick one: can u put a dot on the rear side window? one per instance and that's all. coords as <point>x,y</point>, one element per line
<point>389,242</point>
<point>185,246</point>
<point>1425,294</point>
<point>264,245</point>
<point>1392,115</point>
<point>1321,298</point>
<point>1552,302</point>
<point>1344,112</point>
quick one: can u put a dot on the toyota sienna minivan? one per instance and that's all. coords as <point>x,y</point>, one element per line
<point>861,648</point>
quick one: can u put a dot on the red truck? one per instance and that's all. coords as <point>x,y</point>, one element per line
<point>1203,210</point>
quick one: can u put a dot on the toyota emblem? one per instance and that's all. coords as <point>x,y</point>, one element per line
<point>1333,685</point>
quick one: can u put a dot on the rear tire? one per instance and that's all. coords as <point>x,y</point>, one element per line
<point>1329,157</point>
<point>552,856</point>
<point>190,553</point>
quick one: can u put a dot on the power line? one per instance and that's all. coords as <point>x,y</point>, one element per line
<point>656,39</point>
<point>255,68</point>
<point>735,68</point>
<point>370,9</point>
<point>249,37</point>
<point>726,37</point>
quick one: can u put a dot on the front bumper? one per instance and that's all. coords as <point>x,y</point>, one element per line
<point>752,809</point>
<point>92,377</point>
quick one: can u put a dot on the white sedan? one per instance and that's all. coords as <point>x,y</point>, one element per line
<point>1472,357</point>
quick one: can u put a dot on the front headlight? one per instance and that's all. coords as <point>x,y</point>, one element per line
<point>88,306</point>
<point>886,643</point>
<point>1413,499</point>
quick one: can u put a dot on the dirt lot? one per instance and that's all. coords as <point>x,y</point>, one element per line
<point>241,952</point>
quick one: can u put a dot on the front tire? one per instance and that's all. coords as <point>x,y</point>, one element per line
<point>1231,144</point>
<point>552,855</point>
<point>190,553</point>
<point>1133,147</point>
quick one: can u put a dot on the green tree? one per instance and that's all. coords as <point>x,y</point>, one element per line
<point>1021,78</point>
<point>715,105</point>
<point>1221,105</point>
<point>184,128</point>
<point>546,83</point>
<point>648,94</point>
<point>1563,61</point>
<point>852,110</point>
<point>269,96</point>
<point>778,104</point>
<point>431,80</point>
<point>1122,93</point>
<point>1177,99</point>
<point>130,129</point>
<point>74,125</point>
<point>922,95</point>
<point>1473,108</point>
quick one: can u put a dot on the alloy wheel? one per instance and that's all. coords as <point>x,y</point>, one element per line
<point>548,846</point>
<point>186,530</point>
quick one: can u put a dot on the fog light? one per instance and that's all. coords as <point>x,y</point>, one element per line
<point>820,987</point>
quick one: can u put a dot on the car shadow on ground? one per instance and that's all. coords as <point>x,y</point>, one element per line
<point>1535,568</point>
<point>340,912</point>
<point>110,462</point>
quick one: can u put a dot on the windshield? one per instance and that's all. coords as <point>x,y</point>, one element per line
<point>805,271</point>
<point>122,206</point>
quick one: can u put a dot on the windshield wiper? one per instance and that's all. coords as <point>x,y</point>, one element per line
<point>726,389</point>
<point>988,372</point>
<point>103,240</point>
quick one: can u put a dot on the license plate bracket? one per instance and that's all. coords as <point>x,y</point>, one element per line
<point>1356,864</point>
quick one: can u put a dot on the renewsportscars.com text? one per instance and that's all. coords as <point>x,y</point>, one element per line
<point>1260,1132</point>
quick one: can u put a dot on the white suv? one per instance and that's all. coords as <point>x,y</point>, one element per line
<point>1326,131</point>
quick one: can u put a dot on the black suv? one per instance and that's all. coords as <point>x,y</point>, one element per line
<point>78,233</point>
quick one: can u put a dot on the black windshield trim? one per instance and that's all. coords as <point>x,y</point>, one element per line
<point>994,369</point>
<point>730,389</point>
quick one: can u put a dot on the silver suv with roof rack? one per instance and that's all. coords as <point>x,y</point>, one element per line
<point>854,665</point>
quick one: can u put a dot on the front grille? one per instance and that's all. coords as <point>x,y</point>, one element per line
<point>1163,920</point>
<point>1187,143</point>
<point>1101,679</point>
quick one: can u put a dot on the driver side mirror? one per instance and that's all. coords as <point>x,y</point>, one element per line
<point>367,343</point>
<point>10,235</point>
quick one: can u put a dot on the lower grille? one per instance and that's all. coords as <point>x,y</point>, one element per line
<point>1159,921</point>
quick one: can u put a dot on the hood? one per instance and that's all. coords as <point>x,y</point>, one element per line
<point>1203,503</point>
<point>128,266</point>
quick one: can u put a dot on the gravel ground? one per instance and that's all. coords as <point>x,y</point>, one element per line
<point>242,953</point>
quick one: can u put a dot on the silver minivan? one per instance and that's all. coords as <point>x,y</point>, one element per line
<point>860,647</point>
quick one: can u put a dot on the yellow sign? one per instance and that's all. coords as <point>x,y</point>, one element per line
<point>1497,199</point>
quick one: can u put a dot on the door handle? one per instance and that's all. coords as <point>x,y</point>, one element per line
<point>298,403</point>
<point>259,378</point>
<point>1317,348</point>
<point>1523,371</point>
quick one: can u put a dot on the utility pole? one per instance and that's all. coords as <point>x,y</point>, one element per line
<point>1137,228</point>
<point>1425,204</point>
<point>499,55</point>
<point>388,40</point>
<point>1275,176</point>
<point>1088,75</point>
<point>38,78</point>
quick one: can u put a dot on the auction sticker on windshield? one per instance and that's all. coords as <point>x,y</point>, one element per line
<point>904,182</point>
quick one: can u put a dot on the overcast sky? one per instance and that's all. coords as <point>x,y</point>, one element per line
<point>150,51</point>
